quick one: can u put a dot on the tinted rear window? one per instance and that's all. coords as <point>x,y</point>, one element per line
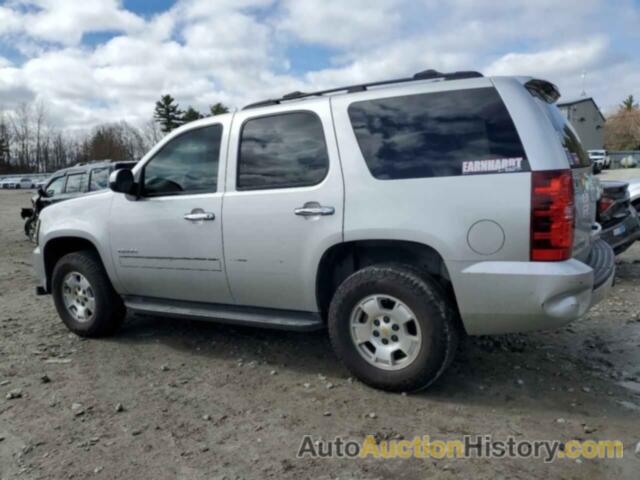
<point>576,153</point>
<point>462,132</point>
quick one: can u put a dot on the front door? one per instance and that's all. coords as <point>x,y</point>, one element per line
<point>283,205</point>
<point>168,242</point>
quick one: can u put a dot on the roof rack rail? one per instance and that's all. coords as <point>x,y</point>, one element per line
<point>424,75</point>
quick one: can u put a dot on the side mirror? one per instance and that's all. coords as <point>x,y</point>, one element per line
<point>122,181</point>
<point>41,191</point>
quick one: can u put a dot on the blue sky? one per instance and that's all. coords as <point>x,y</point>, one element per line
<point>92,61</point>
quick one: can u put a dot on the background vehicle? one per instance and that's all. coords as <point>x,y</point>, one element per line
<point>634,193</point>
<point>69,183</point>
<point>25,183</point>
<point>616,215</point>
<point>600,159</point>
<point>9,183</point>
<point>365,210</point>
<point>41,182</point>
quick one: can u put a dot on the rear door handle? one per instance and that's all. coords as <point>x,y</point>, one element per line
<point>312,209</point>
<point>199,216</point>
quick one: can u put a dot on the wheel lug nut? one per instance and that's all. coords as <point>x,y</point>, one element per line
<point>386,319</point>
<point>376,333</point>
<point>395,327</point>
<point>376,323</point>
<point>394,338</point>
<point>385,341</point>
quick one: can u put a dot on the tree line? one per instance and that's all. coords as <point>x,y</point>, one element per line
<point>29,142</point>
<point>622,129</point>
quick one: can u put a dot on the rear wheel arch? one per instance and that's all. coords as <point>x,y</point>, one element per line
<point>343,259</point>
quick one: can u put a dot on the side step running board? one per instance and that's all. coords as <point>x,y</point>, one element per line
<point>249,316</point>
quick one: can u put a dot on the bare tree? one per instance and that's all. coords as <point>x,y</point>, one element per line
<point>151,133</point>
<point>40,136</point>
<point>21,126</point>
<point>5,144</point>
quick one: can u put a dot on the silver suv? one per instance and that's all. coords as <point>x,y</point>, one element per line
<point>397,214</point>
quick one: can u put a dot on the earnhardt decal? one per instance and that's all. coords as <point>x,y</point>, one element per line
<point>498,165</point>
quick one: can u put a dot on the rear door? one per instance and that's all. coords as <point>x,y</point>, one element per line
<point>283,207</point>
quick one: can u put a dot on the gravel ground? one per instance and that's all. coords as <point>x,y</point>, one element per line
<point>167,399</point>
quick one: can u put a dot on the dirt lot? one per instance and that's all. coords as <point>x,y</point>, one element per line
<point>168,399</point>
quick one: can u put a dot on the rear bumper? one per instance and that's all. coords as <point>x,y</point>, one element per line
<point>621,241</point>
<point>509,297</point>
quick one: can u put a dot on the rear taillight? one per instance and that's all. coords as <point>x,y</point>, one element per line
<point>552,215</point>
<point>604,204</point>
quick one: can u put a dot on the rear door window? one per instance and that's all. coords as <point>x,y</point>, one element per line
<point>440,134</point>
<point>282,151</point>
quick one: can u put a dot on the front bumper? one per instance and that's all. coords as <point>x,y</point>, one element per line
<point>40,272</point>
<point>510,297</point>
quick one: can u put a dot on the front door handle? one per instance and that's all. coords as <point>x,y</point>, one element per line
<point>312,209</point>
<point>199,215</point>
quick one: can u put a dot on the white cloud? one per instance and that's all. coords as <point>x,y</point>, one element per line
<point>339,22</point>
<point>10,21</point>
<point>239,51</point>
<point>66,21</point>
<point>562,60</point>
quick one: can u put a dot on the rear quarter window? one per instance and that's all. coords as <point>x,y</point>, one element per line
<point>462,132</point>
<point>576,154</point>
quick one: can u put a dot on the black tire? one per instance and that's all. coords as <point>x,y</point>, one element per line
<point>432,312</point>
<point>109,309</point>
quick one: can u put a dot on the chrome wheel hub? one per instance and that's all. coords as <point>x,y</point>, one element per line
<point>385,332</point>
<point>78,297</point>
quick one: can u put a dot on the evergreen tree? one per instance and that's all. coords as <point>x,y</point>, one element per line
<point>218,109</point>
<point>629,104</point>
<point>167,113</point>
<point>191,114</point>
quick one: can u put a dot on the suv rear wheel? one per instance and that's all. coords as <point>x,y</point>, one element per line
<point>84,297</point>
<point>393,327</point>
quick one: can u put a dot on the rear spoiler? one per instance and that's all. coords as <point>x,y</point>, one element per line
<point>545,91</point>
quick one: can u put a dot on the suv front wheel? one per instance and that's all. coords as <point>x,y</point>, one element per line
<point>84,297</point>
<point>393,327</point>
